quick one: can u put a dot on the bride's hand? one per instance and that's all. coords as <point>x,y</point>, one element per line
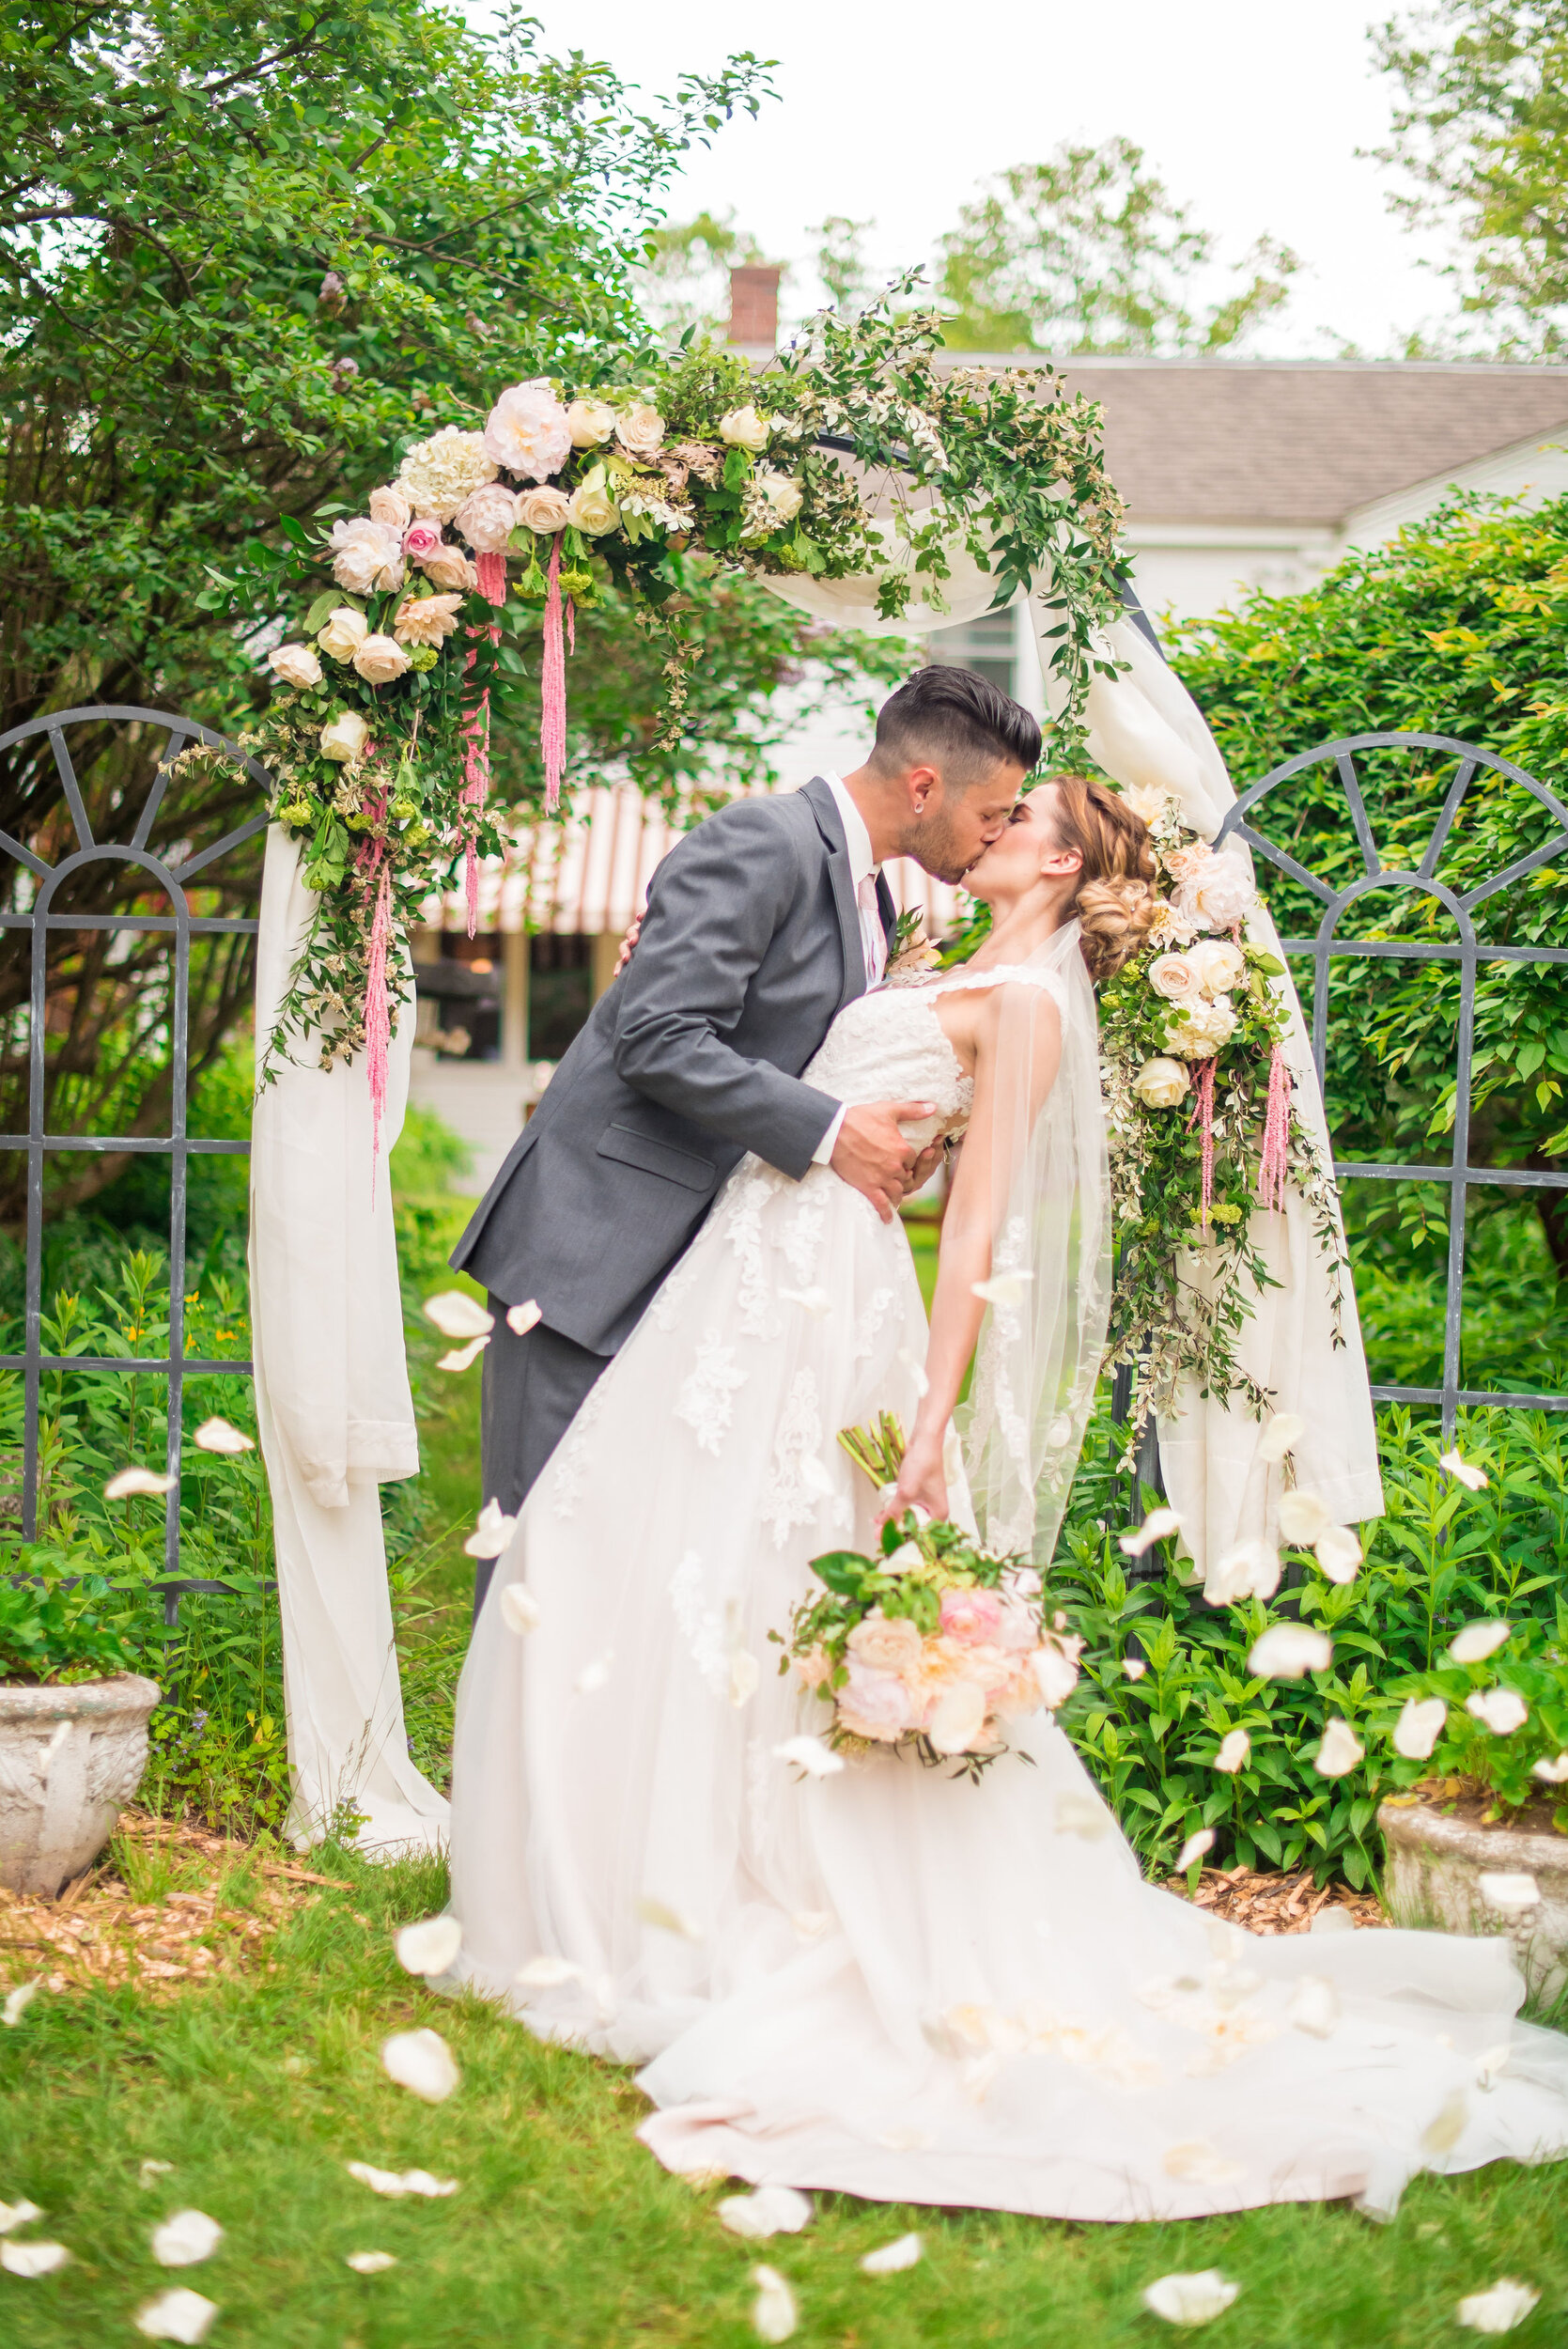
<point>922,1481</point>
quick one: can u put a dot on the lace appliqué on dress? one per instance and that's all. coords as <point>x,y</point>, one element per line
<point>870,1322</point>
<point>741,1224</point>
<point>796,1481</point>
<point>705,1401</point>
<point>703,1628</point>
<point>666,1306</point>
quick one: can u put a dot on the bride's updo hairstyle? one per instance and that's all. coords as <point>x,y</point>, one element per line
<point>1116,901</point>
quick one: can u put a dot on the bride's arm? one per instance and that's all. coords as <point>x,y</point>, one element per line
<point>980,1189</point>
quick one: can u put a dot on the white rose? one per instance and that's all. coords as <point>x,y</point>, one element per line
<point>442,472</point>
<point>380,659</point>
<point>744,428</point>
<point>590,422</point>
<point>344,737</point>
<point>1175,977</point>
<point>640,431</point>
<point>488,518</point>
<point>392,506</point>
<point>592,510</point>
<point>527,430</point>
<point>1198,1030</point>
<point>296,664</point>
<point>1218,895</point>
<point>544,510</point>
<point>1159,1084</point>
<point>1147,800</point>
<point>366,555</point>
<point>1217,965</point>
<point>345,632</point>
<point>771,500</point>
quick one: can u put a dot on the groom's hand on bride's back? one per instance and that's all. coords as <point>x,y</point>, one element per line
<point>873,1156</point>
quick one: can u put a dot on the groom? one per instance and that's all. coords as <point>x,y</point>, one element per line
<point>762,924</point>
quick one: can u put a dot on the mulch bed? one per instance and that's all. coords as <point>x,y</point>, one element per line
<point>1265,1901</point>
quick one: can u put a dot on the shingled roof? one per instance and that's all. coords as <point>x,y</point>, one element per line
<point>1302,441</point>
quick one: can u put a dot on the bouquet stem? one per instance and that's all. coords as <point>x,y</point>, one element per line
<point>878,1450</point>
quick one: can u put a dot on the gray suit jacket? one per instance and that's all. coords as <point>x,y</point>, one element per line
<point>749,946</point>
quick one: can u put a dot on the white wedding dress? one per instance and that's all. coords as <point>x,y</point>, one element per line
<point>891,1981</point>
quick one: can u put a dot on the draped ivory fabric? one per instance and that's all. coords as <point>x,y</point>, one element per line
<point>336,1417</point>
<point>1144,727</point>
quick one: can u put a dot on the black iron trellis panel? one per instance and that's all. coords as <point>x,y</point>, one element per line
<point>178,1146</point>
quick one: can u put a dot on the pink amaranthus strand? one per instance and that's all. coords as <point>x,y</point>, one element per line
<point>1202,1109</point>
<point>1274,1164</point>
<point>552,687</point>
<point>492,577</point>
<point>378,1018</point>
<point>476,780</point>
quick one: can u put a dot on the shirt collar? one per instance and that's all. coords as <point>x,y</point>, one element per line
<point>856,837</point>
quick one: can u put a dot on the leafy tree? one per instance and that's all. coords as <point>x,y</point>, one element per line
<point>841,262</point>
<point>1483,133</point>
<point>1089,252</point>
<point>684,282</point>
<point>1459,628</point>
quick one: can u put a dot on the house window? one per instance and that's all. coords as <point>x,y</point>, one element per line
<point>988,646</point>
<point>459,998</point>
<point>560,992</point>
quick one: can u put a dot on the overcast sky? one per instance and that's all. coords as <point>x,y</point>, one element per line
<point>1251,111</point>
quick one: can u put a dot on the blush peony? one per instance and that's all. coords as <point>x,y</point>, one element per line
<point>1159,1084</point>
<point>380,659</point>
<point>440,473</point>
<point>488,518</point>
<point>877,1704</point>
<point>527,430</point>
<point>1175,977</point>
<point>888,1643</point>
<point>544,510</point>
<point>296,664</point>
<point>1218,893</point>
<point>366,556</point>
<point>971,1615</point>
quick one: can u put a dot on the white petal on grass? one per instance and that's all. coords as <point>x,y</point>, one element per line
<point>430,1946</point>
<point>1507,2304</point>
<point>1503,1710</point>
<point>1473,1477</point>
<point>1194,1849</point>
<point>1134,1667</point>
<point>129,1482</point>
<point>1553,1773</point>
<point>810,1756</point>
<point>903,2251</point>
<point>186,2239</point>
<point>745,1672</point>
<point>420,2062</point>
<point>520,1608</point>
<point>181,2314</point>
<point>32,2260</point>
<point>151,2172</point>
<point>369,2263</point>
<point>17,2003</point>
<point>772,2210</point>
<point>667,1920</point>
<point>1287,1650</point>
<point>1236,1751</point>
<point>521,1319</point>
<point>1477,1641</point>
<point>814,1301</point>
<point>1302,1516</point>
<point>1283,1432</point>
<point>462,1357</point>
<point>491,1533</point>
<point>594,1676</point>
<point>1156,1527</point>
<point>1443,2132</point>
<point>456,1315</point>
<point>1191,2299</point>
<point>1419,1727</point>
<point>1006,1289</point>
<point>1511,1892</point>
<point>1314,2007</point>
<point>216,1435</point>
<point>395,2184</point>
<point>1340,1751</point>
<point>1339,1553</point>
<point>547,1973</point>
<point>14,2215</point>
<point>774,2313</point>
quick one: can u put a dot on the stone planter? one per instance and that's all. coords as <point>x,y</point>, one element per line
<point>1433,1876</point>
<point>68,1758</point>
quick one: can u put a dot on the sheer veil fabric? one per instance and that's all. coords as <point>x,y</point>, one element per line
<point>888,1979</point>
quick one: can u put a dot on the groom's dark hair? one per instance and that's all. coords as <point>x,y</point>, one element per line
<point>958,722</point>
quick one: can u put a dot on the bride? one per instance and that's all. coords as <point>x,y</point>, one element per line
<point>892,1981</point>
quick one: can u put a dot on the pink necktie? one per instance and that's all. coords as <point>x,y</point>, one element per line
<point>873,938</point>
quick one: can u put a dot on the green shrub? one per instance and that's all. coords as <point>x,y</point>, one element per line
<point>52,1631</point>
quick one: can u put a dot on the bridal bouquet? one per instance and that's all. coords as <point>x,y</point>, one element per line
<point>936,1643</point>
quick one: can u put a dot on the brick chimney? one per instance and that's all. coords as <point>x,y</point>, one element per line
<point>755,306</point>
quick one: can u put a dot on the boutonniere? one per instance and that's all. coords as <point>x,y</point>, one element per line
<point>909,949</point>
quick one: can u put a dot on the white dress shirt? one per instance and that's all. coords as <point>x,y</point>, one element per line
<point>863,869</point>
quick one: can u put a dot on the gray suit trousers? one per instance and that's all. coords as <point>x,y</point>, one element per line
<point>534,1388</point>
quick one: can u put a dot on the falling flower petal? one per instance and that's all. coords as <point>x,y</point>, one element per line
<point>430,1946</point>
<point>394,2185</point>
<point>1340,1751</point>
<point>1419,1727</point>
<point>1134,1667</point>
<point>1314,2007</point>
<point>547,1973</point>
<point>1554,1773</point>
<point>14,2215</point>
<point>1473,1477</point>
<point>811,1923</point>
<point>772,2210</point>
<point>1081,1815</point>
<point>904,2252</point>
<point>916,1369</point>
<point>774,2314</point>
<point>151,2172</point>
<point>810,1756</point>
<point>177,2315</point>
<point>1156,1527</point>
<point>745,1672</point>
<point>1339,1553</point>
<point>1477,1641</point>
<point>520,1608</point>
<point>456,1315</point>
<point>1491,2066</point>
<point>1503,1710</point>
<point>216,1435</point>
<point>1498,2311</point>
<point>1194,2299</point>
<point>420,2062</point>
<point>185,2239</point>
<point>369,2263</point>
<point>462,1356</point>
<point>1236,1751</point>
<point>814,1301</point>
<point>667,1920</point>
<point>1004,1289</point>
<point>491,1533</point>
<point>17,2003</point>
<point>32,2259</point>
<point>1511,1894</point>
<point>132,1481</point>
<point>1251,1569</point>
<point>521,1319</point>
<point>1195,2162</point>
<point>1194,1849</point>
<point>1283,1432</point>
<point>1286,1650</point>
<point>594,1676</point>
<point>1302,1517</point>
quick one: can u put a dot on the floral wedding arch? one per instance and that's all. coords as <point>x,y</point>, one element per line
<point>868,484</point>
